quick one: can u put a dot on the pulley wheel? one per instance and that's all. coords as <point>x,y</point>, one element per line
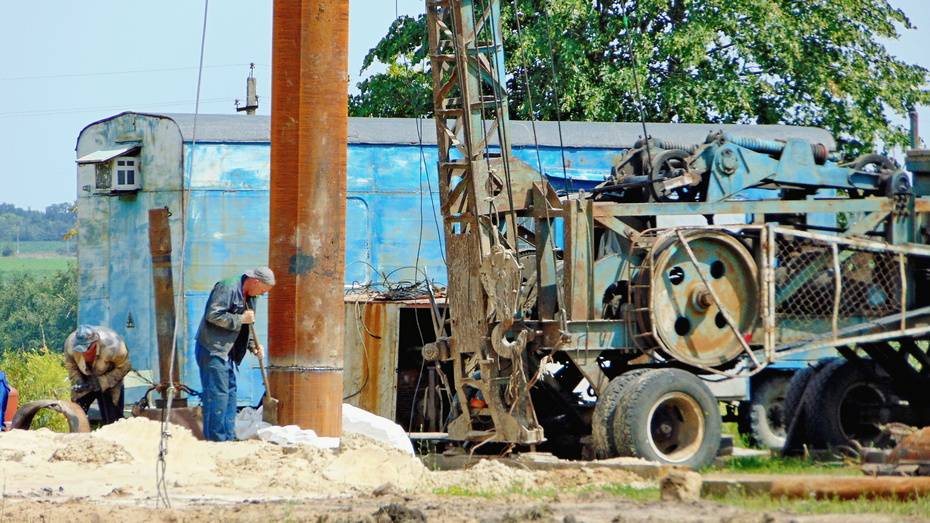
<point>680,312</point>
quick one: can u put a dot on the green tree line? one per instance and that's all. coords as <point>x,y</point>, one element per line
<point>820,63</point>
<point>30,225</point>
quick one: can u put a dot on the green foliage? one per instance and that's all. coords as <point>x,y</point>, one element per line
<point>37,311</point>
<point>27,225</point>
<point>38,375</point>
<point>741,61</point>
<point>37,248</point>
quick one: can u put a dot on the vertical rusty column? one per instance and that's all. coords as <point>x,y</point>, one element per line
<point>163,285</point>
<point>309,128</point>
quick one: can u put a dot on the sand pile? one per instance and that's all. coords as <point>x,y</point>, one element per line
<point>485,476</point>
<point>84,448</point>
<point>123,456</point>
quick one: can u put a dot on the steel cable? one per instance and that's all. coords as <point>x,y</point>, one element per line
<point>161,483</point>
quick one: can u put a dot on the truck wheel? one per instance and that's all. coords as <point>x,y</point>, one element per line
<point>668,416</point>
<point>848,405</point>
<point>766,412</point>
<point>604,409</point>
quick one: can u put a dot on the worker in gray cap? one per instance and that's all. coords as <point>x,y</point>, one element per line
<point>97,361</point>
<point>222,340</point>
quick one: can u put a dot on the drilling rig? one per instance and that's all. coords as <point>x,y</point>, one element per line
<point>549,291</point>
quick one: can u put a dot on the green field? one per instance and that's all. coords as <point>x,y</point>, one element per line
<point>35,265</point>
<point>57,247</point>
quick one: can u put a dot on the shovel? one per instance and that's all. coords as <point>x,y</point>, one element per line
<point>269,404</point>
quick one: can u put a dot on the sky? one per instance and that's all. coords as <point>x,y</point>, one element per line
<point>68,63</point>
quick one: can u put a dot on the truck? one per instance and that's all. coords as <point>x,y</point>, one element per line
<point>646,311</point>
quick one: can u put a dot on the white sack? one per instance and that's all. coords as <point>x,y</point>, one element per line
<point>360,421</point>
<point>248,423</point>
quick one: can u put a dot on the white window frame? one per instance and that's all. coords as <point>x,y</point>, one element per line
<point>123,176</point>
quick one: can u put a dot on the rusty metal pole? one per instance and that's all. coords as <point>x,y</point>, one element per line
<point>163,286</point>
<point>309,128</point>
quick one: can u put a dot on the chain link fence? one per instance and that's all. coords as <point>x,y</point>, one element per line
<point>824,287</point>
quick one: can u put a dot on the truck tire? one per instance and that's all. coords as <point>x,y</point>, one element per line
<point>604,410</point>
<point>846,399</point>
<point>766,412</point>
<point>668,416</point>
<point>796,387</point>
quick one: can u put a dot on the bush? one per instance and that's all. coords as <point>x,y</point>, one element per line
<point>7,252</point>
<point>37,311</point>
<point>38,375</point>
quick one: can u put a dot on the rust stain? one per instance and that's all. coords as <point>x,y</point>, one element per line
<point>372,334</point>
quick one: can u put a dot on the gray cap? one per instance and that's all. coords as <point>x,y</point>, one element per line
<point>262,274</point>
<point>84,337</point>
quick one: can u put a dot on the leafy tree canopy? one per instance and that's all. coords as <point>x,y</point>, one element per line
<point>812,62</point>
<point>28,225</point>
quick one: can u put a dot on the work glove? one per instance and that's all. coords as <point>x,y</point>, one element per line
<point>90,384</point>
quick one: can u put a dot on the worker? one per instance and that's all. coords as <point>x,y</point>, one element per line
<point>222,341</point>
<point>97,361</point>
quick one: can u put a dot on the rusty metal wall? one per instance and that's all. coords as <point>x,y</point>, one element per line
<point>370,379</point>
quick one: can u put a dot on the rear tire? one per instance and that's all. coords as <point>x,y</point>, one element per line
<point>796,388</point>
<point>842,405</point>
<point>767,425</point>
<point>668,416</point>
<point>604,411</point>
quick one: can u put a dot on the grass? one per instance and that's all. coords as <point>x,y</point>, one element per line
<point>779,465</point>
<point>34,265</point>
<point>915,507</point>
<point>755,503</point>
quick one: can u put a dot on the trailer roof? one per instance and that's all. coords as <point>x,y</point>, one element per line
<point>237,128</point>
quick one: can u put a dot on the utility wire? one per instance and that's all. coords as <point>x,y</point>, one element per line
<point>161,481</point>
<point>73,110</point>
<point>118,73</point>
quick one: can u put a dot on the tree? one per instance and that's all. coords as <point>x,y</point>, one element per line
<point>36,311</point>
<point>816,62</point>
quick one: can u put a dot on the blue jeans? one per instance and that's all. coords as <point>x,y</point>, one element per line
<point>218,379</point>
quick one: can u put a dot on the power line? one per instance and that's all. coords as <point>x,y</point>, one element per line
<point>117,73</point>
<point>72,110</point>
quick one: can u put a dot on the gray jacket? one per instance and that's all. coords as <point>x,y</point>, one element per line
<point>221,330</point>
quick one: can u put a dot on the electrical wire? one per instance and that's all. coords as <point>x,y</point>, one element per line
<point>89,109</point>
<point>161,482</point>
<point>118,73</point>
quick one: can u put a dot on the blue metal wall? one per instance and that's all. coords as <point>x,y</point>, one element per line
<point>392,224</point>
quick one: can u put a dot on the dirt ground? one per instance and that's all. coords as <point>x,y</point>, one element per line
<point>109,476</point>
<point>402,508</point>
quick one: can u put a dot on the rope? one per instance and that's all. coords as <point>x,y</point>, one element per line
<point>560,296</point>
<point>161,466</point>
<point>639,95</point>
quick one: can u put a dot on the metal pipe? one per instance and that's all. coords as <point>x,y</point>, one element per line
<point>309,130</point>
<point>163,286</point>
<point>915,128</point>
<point>820,151</point>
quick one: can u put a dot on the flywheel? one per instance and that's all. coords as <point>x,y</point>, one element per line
<point>679,315</point>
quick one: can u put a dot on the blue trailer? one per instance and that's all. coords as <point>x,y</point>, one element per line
<point>132,162</point>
